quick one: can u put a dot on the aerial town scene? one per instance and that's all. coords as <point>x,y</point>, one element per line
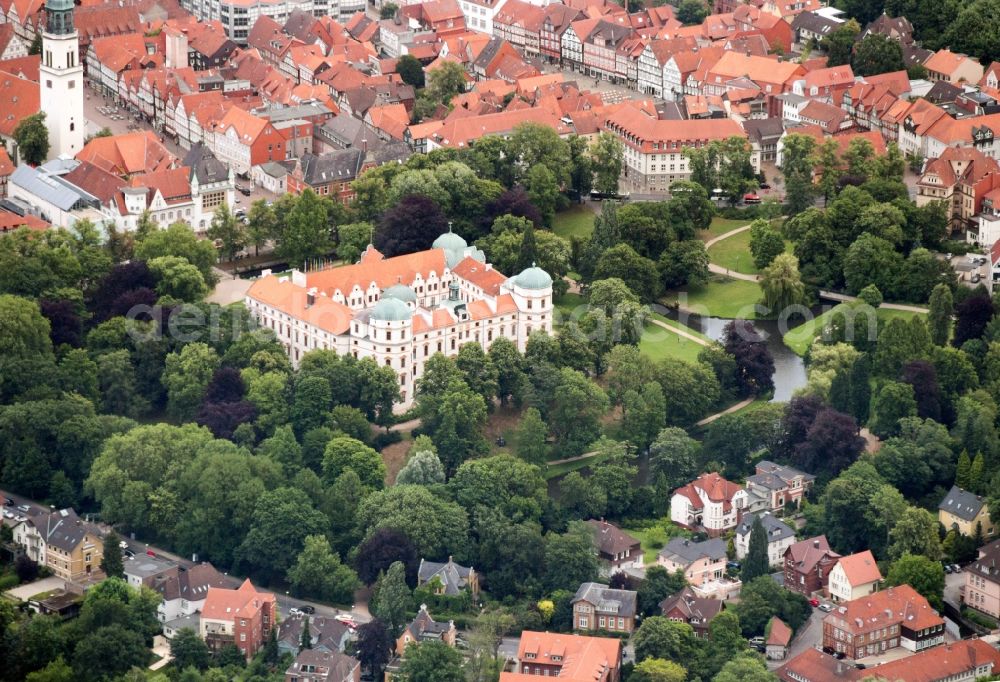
<point>497,340</point>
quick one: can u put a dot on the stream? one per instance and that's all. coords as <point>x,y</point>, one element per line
<point>789,368</point>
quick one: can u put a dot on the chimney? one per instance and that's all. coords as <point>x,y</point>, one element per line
<point>816,544</point>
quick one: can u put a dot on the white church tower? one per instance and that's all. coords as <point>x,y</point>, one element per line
<point>61,80</point>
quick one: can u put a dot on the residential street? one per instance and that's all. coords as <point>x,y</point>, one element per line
<point>285,601</point>
<point>810,636</point>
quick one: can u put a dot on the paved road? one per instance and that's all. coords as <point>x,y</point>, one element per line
<point>835,296</point>
<point>952,583</point>
<point>359,610</point>
<point>809,636</point>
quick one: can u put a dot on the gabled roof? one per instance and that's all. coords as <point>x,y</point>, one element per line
<point>860,568</point>
<point>692,606</point>
<point>684,551</point>
<point>19,99</point>
<point>605,600</point>
<point>776,529</point>
<point>779,634</point>
<point>962,503</point>
<point>327,633</point>
<point>454,577</point>
<point>228,605</point>
<point>580,658</point>
<point>945,61</point>
<point>610,538</point>
<point>323,313</point>
<point>128,153</point>
<point>480,274</point>
<point>805,554</point>
<point>901,605</point>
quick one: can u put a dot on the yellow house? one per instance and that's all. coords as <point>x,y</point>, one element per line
<point>62,542</point>
<point>963,511</point>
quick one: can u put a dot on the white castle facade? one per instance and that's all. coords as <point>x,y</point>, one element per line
<point>401,311</point>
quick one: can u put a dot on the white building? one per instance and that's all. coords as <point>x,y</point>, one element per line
<point>854,577</point>
<point>61,80</point>
<point>779,538</point>
<point>401,311</point>
<point>709,501</point>
<point>479,14</point>
<point>238,16</point>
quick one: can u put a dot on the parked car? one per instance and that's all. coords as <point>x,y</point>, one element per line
<point>347,619</point>
<point>23,507</point>
<point>826,606</point>
<point>751,198</point>
<point>955,568</point>
<point>733,565</point>
<point>294,611</point>
<point>150,552</point>
<point>814,603</point>
<point>128,554</point>
<point>123,544</point>
<point>245,191</point>
<point>947,568</point>
<point>307,608</point>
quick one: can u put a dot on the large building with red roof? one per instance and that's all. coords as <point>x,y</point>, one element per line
<point>896,617</point>
<point>963,661</point>
<point>243,617</point>
<point>654,148</point>
<point>710,502</point>
<point>573,658</point>
<point>400,311</point>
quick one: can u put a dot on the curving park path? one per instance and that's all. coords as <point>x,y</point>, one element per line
<point>828,295</point>
<point>718,269</point>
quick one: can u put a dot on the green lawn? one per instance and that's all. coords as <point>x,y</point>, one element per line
<point>655,537</point>
<point>721,226</point>
<point>576,221</point>
<point>552,471</point>
<point>567,303</point>
<point>734,253</point>
<point>721,297</point>
<point>802,337</point>
<point>658,343</point>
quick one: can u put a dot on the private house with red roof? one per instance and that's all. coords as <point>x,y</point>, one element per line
<point>573,658</point>
<point>897,616</point>
<point>772,76</point>
<point>961,177</point>
<point>654,158</point>
<point>557,19</point>
<point>520,24</point>
<point>128,154</point>
<point>854,576</point>
<point>808,564</point>
<point>651,67</point>
<point>963,661</point>
<point>243,617</point>
<point>826,85</point>
<point>19,98</point>
<point>710,502</point>
<point>10,221</point>
<point>244,140</point>
<point>779,636</point>
<point>108,57</point>
<point>400,311</point>
<point>11,47</point>
<point>951,67</point>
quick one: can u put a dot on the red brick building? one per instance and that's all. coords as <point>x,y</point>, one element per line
<point>808,564</point>
<point>243,617</point>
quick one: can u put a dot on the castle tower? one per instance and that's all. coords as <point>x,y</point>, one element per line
<point>61,80</point>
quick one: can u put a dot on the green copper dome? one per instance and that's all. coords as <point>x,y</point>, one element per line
<point>450,241</point>
<point>391,310</point>
<point>533,278</point>
<point>400,292</point>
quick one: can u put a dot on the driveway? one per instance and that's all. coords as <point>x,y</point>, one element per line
<point>952,584</point>
<point>810,636</point>
<point>25,592</point>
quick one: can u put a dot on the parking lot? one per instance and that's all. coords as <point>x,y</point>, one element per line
<point>972,269</point>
